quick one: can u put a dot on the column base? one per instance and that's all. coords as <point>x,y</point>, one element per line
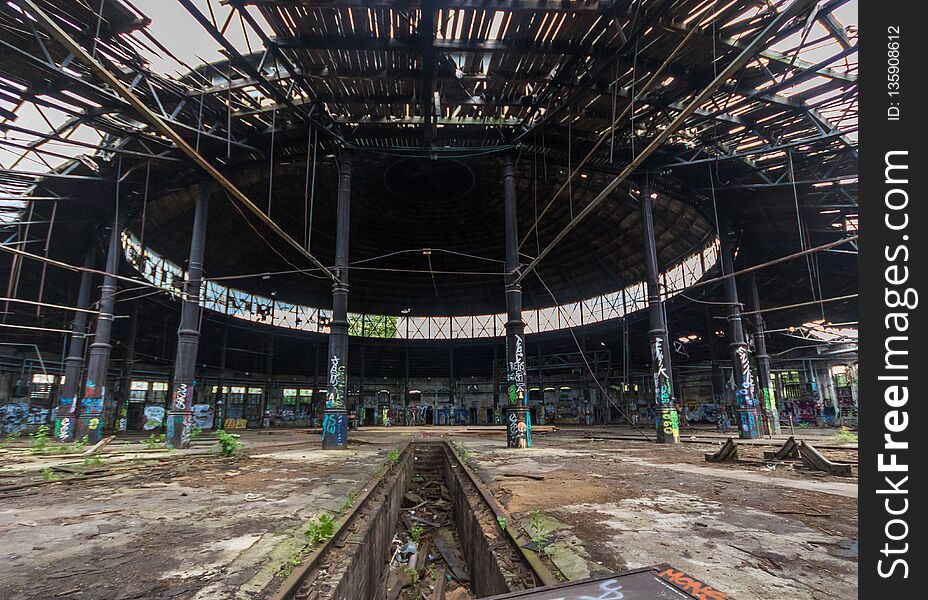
<point>518,427</point>
<point>773,421</point>
<point>668,425</point>
<point>749,423</point>
<point>65,420</point>
<point>90,422</point>
<point>334,429</point>
<point>179,425</point>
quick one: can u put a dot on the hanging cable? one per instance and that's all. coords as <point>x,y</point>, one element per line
<point>310,188</point>
<point>602,390</point>
<point>802,239</point>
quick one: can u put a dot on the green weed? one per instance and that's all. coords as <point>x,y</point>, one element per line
<point>38,440</point>
<point>320,530</point>
<point>229,443</point>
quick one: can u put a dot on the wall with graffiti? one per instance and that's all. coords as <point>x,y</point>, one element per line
<point>252,307</point>
<point>19,417</point>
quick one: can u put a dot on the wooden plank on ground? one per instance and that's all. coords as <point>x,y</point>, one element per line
<point>454,563</point>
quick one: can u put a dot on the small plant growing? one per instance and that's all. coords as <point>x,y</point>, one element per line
<point>349,501</point>
<point>38,440</point>
<point>412,575</point>
<point>536,526</point>
<point>432,571</point>
<point>394,455</point>
<point>416,533</point>
<point>49,475</point>
<point>501,521</point>
<point>418,478</point>
<point>229,443</point>
<point>293,561</point>
<point>154,441</point>
<point>804,425</point>
<point>195,433</point>
<point>461,450</point>
<point>846,435</point>
<point>93,461</point>
<point>320,530</point>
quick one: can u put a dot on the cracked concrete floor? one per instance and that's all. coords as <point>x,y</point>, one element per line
<point>192,525</point>
<point>188,525</point>
<point>746,529</point>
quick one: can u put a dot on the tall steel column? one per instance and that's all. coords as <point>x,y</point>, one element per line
<point>335,418</point>
<point>268,381</point>
<point>518,421</point>
<point>768,404</point>
<point>179,421</point>
<point>90,418</point>
<point>749,418</point>
<point>220,410</point>
<point>666,418</point>
<point>125,372</point>
<point>66,415</point>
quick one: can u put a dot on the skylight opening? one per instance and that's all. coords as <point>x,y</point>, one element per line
<point>496,25</point>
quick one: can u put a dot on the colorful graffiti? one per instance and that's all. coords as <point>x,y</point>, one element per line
<point>64,419</point>
<point>334,430</point>
<point>183,396</point>
<point>335,398</point>
<point>18,416</point>
<point>516,371</point>
<point>154,417</point>
<point>518,429</point>
<point>668,421</point>
<point>202,416</point>
<point>690,585</point>
<point>746,396</point>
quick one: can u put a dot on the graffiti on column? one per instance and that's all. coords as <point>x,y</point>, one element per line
<point>92,405</point>
<point>666,417</point>
<point>183,396</point>
<point>768,397</point>
<point>745,394</point>
<point>518,431</point>
<point>662,384</point>
<point>334,430</point>
<point>517,371</point>
<point>63,422</point>
<point>335,398</point>
<point>185,432</point>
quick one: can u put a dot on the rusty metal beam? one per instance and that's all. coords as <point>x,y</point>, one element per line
<point>745,56</point>
<point>155,121</point>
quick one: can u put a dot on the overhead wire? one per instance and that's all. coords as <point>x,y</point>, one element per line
<point>602,390</point>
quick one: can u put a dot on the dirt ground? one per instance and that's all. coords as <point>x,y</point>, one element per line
<point>753,529</point>
<point>150,524</point>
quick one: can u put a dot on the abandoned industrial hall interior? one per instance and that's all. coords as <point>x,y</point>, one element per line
<point>428,299</point>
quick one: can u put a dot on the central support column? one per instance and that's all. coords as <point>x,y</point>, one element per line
<point>665,413</point>
<point>180,415</point>
<point>90,420</point>
<point>125,374</point>
<point>518,421</point>
<point>749,418</point>
<point>335,417</point>
<point>771,414</point>
<point>66,414</point>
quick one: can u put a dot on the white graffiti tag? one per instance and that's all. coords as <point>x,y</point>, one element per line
<point>180,397</point>
<point>608,590</point>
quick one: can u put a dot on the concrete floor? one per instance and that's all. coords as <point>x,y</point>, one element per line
<point>191,524</point>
